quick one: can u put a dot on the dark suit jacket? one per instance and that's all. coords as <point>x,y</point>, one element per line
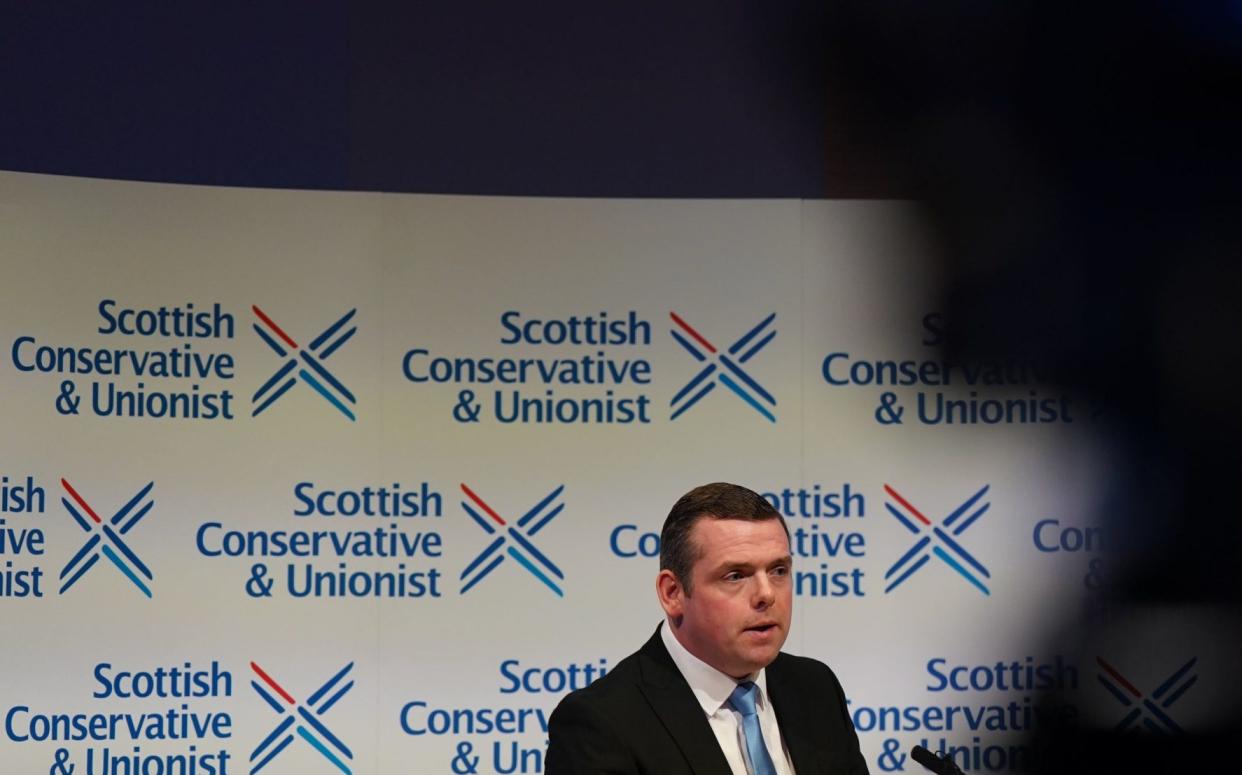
<point>642,719</point>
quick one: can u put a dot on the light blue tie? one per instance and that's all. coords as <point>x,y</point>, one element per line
<point>743,701</point>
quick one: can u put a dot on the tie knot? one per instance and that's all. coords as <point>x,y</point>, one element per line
<point>743,698</point>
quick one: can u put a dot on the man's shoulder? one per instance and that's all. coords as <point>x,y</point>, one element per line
<point>618,722</point>
<point>619,684</point>
<point>628,685</point>
<point>790,668</point>
<point>787,661</point>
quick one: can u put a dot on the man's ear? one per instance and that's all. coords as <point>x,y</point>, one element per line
<point>671,594</point>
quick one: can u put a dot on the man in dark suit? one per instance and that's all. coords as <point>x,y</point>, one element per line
<point>711,693</point>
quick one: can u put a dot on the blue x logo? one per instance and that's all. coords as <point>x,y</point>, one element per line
<point>723,368</point>
<point>935,540</point>
<point>515,539</point>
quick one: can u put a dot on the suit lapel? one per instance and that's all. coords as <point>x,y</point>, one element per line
<point>794,718</point>
<point>673,702</point>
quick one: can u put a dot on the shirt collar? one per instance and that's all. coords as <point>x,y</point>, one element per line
<point>710,686</point>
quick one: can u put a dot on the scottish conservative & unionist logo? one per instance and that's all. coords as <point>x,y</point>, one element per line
<point>163,363</point>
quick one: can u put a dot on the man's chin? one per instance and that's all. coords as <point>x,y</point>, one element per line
<point>758,657</point>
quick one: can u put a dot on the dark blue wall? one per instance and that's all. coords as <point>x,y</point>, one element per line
<point>534,98</point>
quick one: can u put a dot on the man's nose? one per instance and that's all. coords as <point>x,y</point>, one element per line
<point>765,593</point>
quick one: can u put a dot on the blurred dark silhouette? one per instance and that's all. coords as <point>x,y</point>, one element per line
<point>1080,167</point>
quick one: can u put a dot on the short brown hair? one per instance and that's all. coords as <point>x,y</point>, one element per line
<point>719,500</point>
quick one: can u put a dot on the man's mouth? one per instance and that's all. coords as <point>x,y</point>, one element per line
<point>762,629</point>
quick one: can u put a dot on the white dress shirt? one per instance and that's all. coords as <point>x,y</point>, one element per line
<point>712,689</point>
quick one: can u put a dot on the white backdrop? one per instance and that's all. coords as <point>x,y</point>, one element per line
<point>139,647</point>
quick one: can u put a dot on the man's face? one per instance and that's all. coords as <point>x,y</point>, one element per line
<point>736,617</point>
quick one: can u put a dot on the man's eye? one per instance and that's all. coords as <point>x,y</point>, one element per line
<point>780,570</point>
<point>733,576</point>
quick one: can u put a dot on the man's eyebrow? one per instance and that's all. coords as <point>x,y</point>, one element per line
<point>727,565</point>
<point>732,564</point>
